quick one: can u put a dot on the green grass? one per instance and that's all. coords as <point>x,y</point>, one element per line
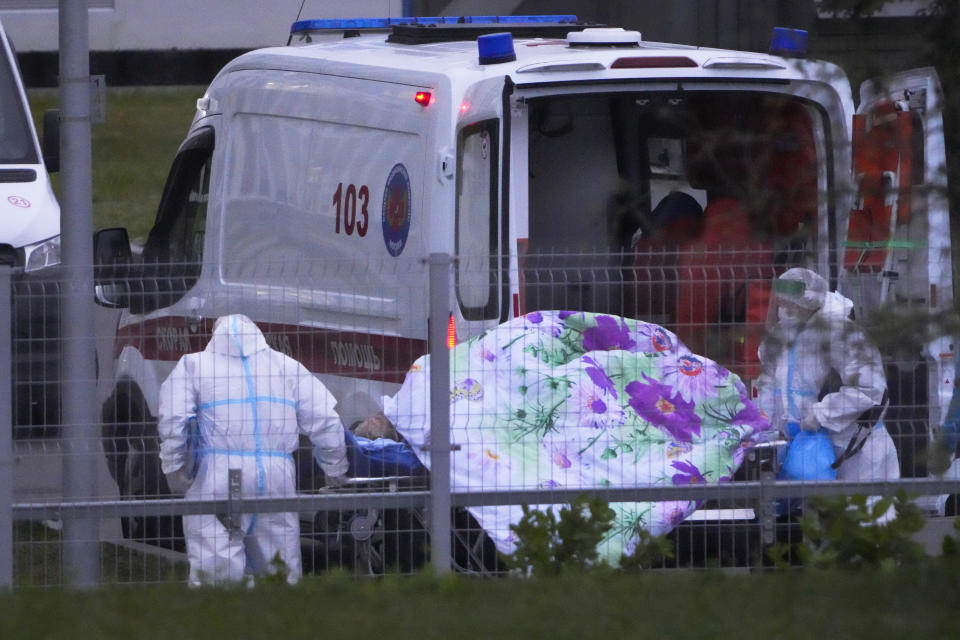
<point>38,561</point>
<point>132,150</point>
<point>780,606</point>
<point>145,597</point>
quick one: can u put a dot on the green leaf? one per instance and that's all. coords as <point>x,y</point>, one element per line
<point>881,506</point>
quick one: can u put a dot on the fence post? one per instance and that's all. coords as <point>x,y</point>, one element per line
<point>440,547</point>
<point>767,508</point>
<point>6,431</point>
<point>81,545</point>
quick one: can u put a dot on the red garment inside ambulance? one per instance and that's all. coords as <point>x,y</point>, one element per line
<point>713,271</point>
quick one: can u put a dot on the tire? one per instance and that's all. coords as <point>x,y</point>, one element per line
<point>132,448</point>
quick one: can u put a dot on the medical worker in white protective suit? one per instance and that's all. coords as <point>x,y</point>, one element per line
<point>250,403</point>
<point>820,370</point>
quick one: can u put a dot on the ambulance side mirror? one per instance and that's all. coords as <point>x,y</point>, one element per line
<point>112,260</point>
<point>50,142</point>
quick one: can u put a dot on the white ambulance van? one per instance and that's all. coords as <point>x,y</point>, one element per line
<point>30,243</point>
<point>30,220</point>
<point>568,167</point>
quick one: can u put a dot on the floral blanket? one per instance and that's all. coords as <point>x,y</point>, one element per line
<point>572,399</point>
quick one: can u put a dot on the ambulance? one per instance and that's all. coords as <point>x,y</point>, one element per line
<point>566,166</point>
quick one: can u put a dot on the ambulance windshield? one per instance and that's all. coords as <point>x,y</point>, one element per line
<point>691,196</point>
<point>16,142</point>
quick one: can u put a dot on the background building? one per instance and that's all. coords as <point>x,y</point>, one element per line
<point>141,42</point>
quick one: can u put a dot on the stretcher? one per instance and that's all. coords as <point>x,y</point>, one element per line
<point>567,400</point>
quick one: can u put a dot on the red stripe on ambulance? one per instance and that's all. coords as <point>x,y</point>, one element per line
<point>344,353</point>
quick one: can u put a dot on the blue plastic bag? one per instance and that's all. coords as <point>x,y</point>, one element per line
<point>381,457</point>
<point>808,457</point>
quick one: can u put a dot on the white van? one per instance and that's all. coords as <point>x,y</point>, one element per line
<point>515,142</point>
<point>30,218</point>
<point>30,243</point>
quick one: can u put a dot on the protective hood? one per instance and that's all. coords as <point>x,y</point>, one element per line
<point>236,336</point>
<point>802,287</point>
<point>836,307</point>
<point>797,295</point>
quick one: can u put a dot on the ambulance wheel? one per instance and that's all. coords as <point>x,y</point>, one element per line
<point>132,448</point>
<point>366,530</point>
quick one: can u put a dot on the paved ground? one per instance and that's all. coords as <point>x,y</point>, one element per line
<point>38,463</point>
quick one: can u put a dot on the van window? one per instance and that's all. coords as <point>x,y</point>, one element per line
<point>174,249</point>
<point>476,223</point>
<point>16,141</point>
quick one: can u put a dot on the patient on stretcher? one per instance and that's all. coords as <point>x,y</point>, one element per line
<point>576,400</point>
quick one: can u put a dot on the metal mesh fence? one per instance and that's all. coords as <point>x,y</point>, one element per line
<point>632,377</point>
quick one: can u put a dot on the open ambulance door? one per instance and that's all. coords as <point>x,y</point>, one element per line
<point>897,253</point>
<point>480,226</point>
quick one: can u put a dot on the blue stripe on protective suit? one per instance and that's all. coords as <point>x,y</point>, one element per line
<point>247,454</point>
<point>264,399</point>
<point>792,411</point>
<point>251,396</point>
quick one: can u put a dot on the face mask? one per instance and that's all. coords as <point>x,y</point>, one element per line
<point>791,314</point>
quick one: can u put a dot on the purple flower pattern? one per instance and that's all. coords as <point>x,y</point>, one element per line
<point>550,325</point>
<point>704,413</point>
<point>670,514</point>
<point>750,415</point>
<point>687,473</point>
<point>608,335</point>
<point>657,404</point>
<point>599,376</point>
<point>656,339</point>
<point>691,378</point>
<point>593,406</point>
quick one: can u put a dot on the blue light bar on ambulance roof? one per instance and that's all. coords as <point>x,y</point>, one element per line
<point>789,43</point>
<point>495,48</point>
<point>355,24</point>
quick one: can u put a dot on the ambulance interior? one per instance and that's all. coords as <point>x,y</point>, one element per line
<point>679,208</point>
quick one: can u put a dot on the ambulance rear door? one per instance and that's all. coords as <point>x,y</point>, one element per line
<point>897,253</point>
<point>481,228</point>
<point>898,240</point>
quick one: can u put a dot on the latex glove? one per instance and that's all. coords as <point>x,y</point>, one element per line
<point>939,456</point>
<point>810,422</point>
<point>334,482</point>
<point>179,481</point>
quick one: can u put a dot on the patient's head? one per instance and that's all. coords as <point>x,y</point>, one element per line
<point>375,426</point>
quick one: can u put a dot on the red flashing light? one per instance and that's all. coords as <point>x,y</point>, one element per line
<point>422,98</point>
<point>652,62</point>
<point>464,107</point>
<point>451,333</point>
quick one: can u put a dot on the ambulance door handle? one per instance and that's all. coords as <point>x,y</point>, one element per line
<point>445,165</point>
